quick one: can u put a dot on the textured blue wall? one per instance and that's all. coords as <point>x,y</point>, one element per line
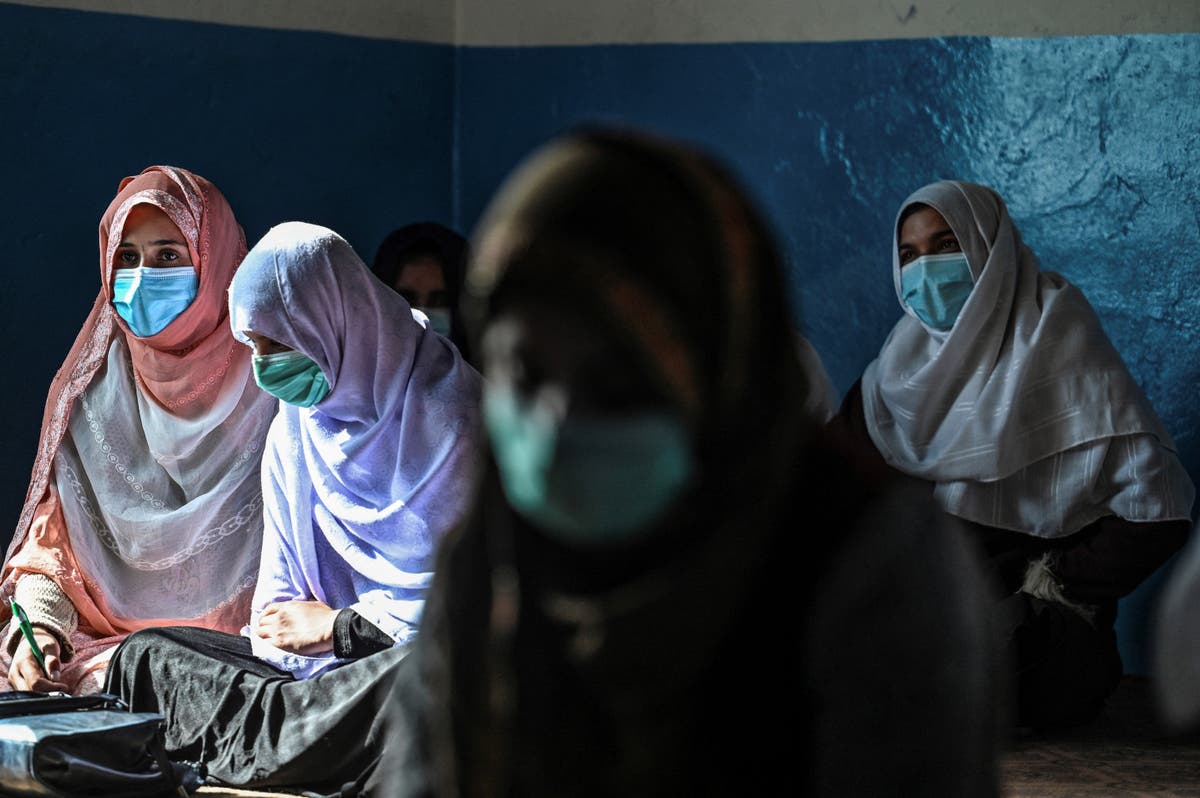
<point>1093,141</point>
<point>351,133</point>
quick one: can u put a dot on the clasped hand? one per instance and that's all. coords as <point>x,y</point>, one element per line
<point>302,627</point>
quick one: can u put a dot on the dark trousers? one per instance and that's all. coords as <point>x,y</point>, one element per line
<point>249,723</point>
<point>1065,667</point>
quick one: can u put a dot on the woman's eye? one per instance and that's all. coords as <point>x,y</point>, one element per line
<point>167,254</point>
<point>949,244</point>
<point>905,257</point>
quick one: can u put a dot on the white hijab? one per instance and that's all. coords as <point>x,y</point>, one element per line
<point>1023,413</point>
<point>164,512</point>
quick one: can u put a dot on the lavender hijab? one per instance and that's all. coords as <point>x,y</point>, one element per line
<point>359,488</point>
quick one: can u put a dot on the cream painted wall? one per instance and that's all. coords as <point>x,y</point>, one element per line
<point>487,22</point>
<point>567,22</point>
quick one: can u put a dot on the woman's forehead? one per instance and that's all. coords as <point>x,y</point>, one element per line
<point>922,222</point>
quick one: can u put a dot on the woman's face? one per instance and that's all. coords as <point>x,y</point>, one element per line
<point>925,232</point>
<point>422,283</point>
<point>152,240</point>
<point>266,346</point>
<point>586,449</point>
<point>543,349</point>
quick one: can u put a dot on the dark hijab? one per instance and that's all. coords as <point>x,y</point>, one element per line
<point>427,239</point>
<point>656,247</point>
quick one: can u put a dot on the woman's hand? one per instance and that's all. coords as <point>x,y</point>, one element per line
<point>302,627</point>
<point>26,674</point>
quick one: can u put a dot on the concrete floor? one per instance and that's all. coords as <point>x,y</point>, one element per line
<point>1125,753</point>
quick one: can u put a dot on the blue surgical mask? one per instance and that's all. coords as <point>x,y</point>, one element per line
<point>587,479</point>
<point>936,287</point>
<point>150,299</point>
<point>439,320</point>
<point>291,376</point>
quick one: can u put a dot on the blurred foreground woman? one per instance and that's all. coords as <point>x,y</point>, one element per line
<point>672,583</point>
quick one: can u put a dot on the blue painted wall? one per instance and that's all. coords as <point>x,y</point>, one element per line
<point>351,133</point>
<point>1093,141</point>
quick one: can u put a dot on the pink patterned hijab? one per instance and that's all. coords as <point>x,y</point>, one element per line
<point>144,504</point>
<point>182,364</point>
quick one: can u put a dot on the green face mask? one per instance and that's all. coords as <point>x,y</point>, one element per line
<point>292,377</point>
<point>587,479</point>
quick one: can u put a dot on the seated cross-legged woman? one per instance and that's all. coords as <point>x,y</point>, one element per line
<point>1000,392</point>
<point>145,505</point>
<point>369,462</point>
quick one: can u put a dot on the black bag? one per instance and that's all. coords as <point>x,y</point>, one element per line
<point>60,745</point>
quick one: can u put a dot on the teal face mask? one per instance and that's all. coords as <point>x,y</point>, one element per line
<point>439,320</point>
<point>587,479</point>
<point>292,377</point>
<point>150,299</point>
<point>936,287</point>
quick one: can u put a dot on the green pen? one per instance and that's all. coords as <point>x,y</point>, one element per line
<point>27,630</point>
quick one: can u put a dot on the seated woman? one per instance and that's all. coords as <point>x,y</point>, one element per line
<point>145,505</point>
<point>424,262</point>
<point>368,464</point>
<point>1000,391</point>
<point>672,583</point>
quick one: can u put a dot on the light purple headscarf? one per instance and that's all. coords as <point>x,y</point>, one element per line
<point>359,488</point>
